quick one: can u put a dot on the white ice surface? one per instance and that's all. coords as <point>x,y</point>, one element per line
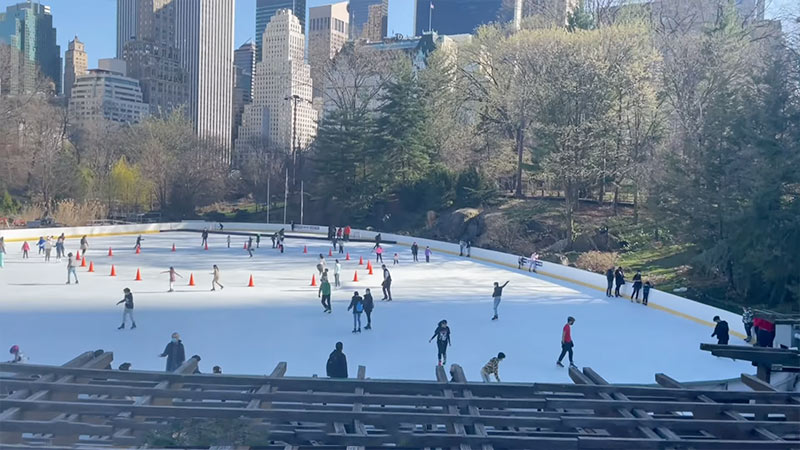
<point>249,330</point>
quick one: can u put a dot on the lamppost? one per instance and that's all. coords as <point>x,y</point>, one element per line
<point>294,98</point>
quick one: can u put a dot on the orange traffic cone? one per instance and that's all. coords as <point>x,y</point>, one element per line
<point>113,271</point>
<point>313,280</point>
<point>138,275</point>
<point>251,284</point>
<point>360,260</point>
<point>191,279</point>
<point>78,255</point>
<point>138,250</point>
<point>110,253</point>
<point>355,276</point>
<point>206,245</point>
<point>245,246</point>
<point>330,253</point>
<point>83,262</point>
<point>91,266</point>
<point>369,265</point>
<point>173,247</point>
<point>305,249</point>
<point>370,269</point>
<point>347,258</point>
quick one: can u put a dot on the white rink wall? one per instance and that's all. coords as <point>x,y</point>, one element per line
<point>664,301</point>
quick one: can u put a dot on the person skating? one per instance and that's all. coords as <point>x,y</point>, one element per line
<point>532,263</point>
<point>221,227</point>
<point>40,244</point>
<point>369,305</point>
<point>337,269</point>
<point>25,249</point>
<point>637,286</point>
<point>325,294</point>
<point>497,295</point>
<point>321,264</point>
<point>492,368</point>
<point>250,246</point>
<point>646,292</point>
<point>60,247</point>
<point>386,284</point>
<point>174,353</point>
<point>16,355</point>
<point>377,240</point>
<point>428,254</point>
<point>378,253</point>
<point>339,233</point>
<point>721,331</point>
<point>415,252</point>
<point>347,233</point>
<point>71,269</point>
<point>274,238</point>
<point>765,332</point>
<point>336,366</point>
<point>215,280</point>
<point>357,305</point>
<point>469,249</point>
<point>324,275</point>
<point>48,249</point>
<point>172,274</point>
<point>395,259</point>
<point>610,280</point>
<point>205,237</point>
<point>258,240</point>
<point>566,342</point>
<point>127,311</point>
<point>461,245</point>
<point>341,247</point>
<point>747,321</point>
<point>84,245</point>
<point>138,243</point>
<point>229,241</point>
<point>619,278</point>
<point>442,336</point>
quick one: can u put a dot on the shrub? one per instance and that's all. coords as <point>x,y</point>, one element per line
<point>472,189</point>
<point>73,214</point>
<point>435,191</point>
<point>597,262</point>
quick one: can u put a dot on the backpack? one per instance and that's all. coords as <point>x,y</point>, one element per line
<point>359,306</point>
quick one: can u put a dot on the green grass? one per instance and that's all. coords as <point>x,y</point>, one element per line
<point>666,266</point>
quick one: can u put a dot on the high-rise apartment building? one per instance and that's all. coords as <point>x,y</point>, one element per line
<point>153,58</point>
<point>454,16</point>
<point>127,23</point>
<point>28,28</point>
<point>204,37</point>
<point>106,95</point>
<point>328,30</point>
<point>281,117</point>
<point>359,15</point>
<point>75,64</point>
<point>375,29</point>
<point>265,9</point>
<point>244,65</point>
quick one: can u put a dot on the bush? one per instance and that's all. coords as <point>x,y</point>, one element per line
<point>436,191</point>
<point>472,189</point>
<point>73,214</point>
<point>598,262</point>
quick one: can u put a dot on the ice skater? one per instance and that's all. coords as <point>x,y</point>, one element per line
<point>378,253</point>
<point>386,284</point>
<point>48,249</point>
<point>40,244</point>
<point>369,305</point>
<point>205,237</point>
<point>357,305</point>
<point>138,245</point>
<point>469,249</point>
<point>533,262</point>
<point>174,352</point>
<point>60,247</point>
<point>337,269</point>
<point>336,367</point>
<point>25,249</point>
<point>16,355</point>
<point>610,281</point>
<point>128,309</point>
<point>84,245</point>
<point>215,281</point>
<point>229,241</point>
<point>325,294</point>
<point>2,245</point>
<point>497,295</point>
<point>250,246</point>
<point>258,240</point>
<point>461,245</point>
<point>747,319</point>
<point>415,252</point>
<point>646,292</point>
<point>71,269</point>
<point>442,336</point>
<point>428,254</point>
<point>395,260</point>
<point>619,279</point>
<point>321,264</point>
<point>566,342</point>
<point>637,286</point>
<point>346,233</point>
<point>721,331</point>
<point>492,368</point>
<point>172,274</point>
<point>341,247</point>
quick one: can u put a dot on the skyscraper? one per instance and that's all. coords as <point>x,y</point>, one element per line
<point>282,87</point>
<point>106,94</point>
<point>204,36</point>
<point>265,9</point>
<point>153,59</point>
<point>75,64</point>
<point>127,23</point>
<point>244,63</point>
<point>359,15</point>
<point>28,28</point>
<point>454,16</point>
<point>327,33</point>
<point>375,29</point>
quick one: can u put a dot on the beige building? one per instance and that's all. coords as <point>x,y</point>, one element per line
<point>75,64</point>
<point>328,28</point>
<point>282,86</point>
<point>377,18</point>
<point>106,95</point>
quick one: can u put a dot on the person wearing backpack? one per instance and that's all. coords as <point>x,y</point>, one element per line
<point>357,305</point>
<point>337,363</point>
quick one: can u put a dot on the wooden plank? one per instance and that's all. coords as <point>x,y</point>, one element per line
<point>480,428</point>
<point>756,384</point>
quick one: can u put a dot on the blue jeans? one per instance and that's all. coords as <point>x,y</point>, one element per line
<point>71,271</point>
<point>496,304</point>
<point>356,320</point>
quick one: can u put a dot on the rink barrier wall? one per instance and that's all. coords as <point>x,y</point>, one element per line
<point>662,301</point>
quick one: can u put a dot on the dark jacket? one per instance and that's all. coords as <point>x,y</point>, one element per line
<point>619,277</point>
<point>637,279</point>
<point>442,334</point>
<point>721,331</point>
<point>369,305</point>
<point>498,290</point>
<point>128,300</point>
<point>610,276</point>
<point>337,365</point>
<point>175,355</point>
<point>414,249</point>
<point>355,301</point>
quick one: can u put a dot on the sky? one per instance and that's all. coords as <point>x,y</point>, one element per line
<point>94,21</point>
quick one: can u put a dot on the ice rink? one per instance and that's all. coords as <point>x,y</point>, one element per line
<point>249,330</point>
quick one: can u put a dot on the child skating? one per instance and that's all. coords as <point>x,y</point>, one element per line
<point>497,295</point>
<point>172,274</point>
<point>442,336</point>
<point>378,253</point>
<point>646,292</point>
<point>325,294</point>
<point>25,249</point>
<point>396,259</point>
<point>357,305</point>
<point>128,309</point>
<point>215,281</point>
<point>428,254</point>
<point>71,269</point>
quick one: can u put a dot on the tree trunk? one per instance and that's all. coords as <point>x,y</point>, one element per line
<point>519,141</point>
<point>569,212</point>
<point>616,200</point>
<point>635,202</point>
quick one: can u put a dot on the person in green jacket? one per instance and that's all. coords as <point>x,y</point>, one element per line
<point>325,294</point>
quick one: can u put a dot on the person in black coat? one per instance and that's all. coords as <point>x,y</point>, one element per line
<point>721,331</point>
<point>619,278</point>
<point>637,286</point>
<point>610,279</point>
<point>337,363</point>
<point>174,352</point>
<point>369,305</point>
<point>442,336</point>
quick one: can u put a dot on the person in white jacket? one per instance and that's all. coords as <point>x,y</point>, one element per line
<point>337,269</point>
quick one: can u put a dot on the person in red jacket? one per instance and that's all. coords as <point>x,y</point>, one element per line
<point>347,233</point>
<point>765,332</point>
<point>566,342</point>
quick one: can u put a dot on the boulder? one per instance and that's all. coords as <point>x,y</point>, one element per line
<point>454,225</point>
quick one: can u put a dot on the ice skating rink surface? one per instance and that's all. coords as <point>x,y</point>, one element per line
<point>248,330</point>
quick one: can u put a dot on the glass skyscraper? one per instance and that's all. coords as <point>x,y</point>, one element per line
<point>454,16</point>
<point>359,15</point>
<point>28,28</point>
<point>265,9</point>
